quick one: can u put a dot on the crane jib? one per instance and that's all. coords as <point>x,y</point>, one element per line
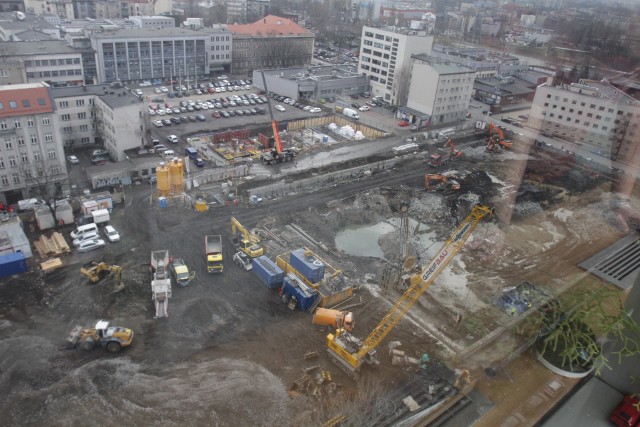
<point>444,253</point>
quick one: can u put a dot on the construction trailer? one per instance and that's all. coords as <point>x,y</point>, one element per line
<point>161,282</point>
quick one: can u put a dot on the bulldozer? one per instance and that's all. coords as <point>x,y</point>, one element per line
<point>96,271</point>
<point>112,338</point>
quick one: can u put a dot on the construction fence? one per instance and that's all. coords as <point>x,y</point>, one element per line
<point>216,175</point>
<point>368,131</point>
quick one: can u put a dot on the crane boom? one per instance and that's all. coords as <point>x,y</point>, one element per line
<point>274,123</point>
<point>353,360</point>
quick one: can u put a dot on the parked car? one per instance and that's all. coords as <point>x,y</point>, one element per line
<point>99,160</point>
<point>279,107</point>
<point>73,160</point>
<point>172,139</point>
<point>166,122</point>
<point>160,148</point>
<point>91,245</point>
<point>365,108</point>
<point>315,110</point>
<point>96,153</point>
<point>201,117</point>
<point>145,83</point>
<point>92,235</point>
<point>111,234</point>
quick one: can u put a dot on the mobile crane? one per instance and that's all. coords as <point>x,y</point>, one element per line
<point>348,352</point>
<point>276,154</point>
<point>248,242</point>
<point>96,271</point>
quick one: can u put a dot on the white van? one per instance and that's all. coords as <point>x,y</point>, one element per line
<point>168,153</point>
<point>83,229</point>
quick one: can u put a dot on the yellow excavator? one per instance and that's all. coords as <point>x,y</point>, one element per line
<point>245,241</point>
<point>96,271</point>
<point>349,352</point>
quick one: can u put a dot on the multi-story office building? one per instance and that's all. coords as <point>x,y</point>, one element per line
<point>385,56</point>
<point>98,115</point>
<point>132,55</point>
<point>51,61</point>
<point>440,90</point>
<point>594,114</point>
<point>31,152</point>
<point>270,42</point>
<point>256,9</point>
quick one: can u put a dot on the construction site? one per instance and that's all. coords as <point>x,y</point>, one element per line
<point>374,290</point>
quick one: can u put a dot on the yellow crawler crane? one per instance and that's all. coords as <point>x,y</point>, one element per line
<point>350,352</point>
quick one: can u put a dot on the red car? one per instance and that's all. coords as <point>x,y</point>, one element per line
<point>627,413</point>
<point>403,124</point>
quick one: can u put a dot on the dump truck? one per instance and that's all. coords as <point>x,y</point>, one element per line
<point>213,252</point>
<point>334,318</point>
<point>113,338</point>
<point>160,282</point>
<point>180,272</point>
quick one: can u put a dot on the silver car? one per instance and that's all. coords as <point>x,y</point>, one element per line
<point>90,245</point>
<point>87,236</point>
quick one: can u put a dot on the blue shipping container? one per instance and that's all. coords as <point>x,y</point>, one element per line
<point>267,271</point>
<point>13,264</point>
<point>295,287</point>
<point>309,266</point>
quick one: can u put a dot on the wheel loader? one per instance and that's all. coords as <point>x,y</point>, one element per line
<point>112,338</point>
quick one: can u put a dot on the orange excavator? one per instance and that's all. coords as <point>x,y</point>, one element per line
<point>497,139</point>
<point>437,182</point>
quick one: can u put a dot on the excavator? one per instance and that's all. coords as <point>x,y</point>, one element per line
<point>277,153</point>
<point>96,271</point>
<point>246,242</point>
<point>497,139</point>
<point>438,182</point>
<point>349,352</point>
<point>436,160</point>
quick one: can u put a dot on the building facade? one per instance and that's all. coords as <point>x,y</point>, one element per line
<point>236,11</point>
<point>51,61</point>
<point>134,55</point>
<point>385,57</point>
<point>153,22</point>
<point>314,82</point>
<point>271,42</point>
<point>31,151</point>
<point>594,114</point>
<point>441,90</point>
<point>96,115</point>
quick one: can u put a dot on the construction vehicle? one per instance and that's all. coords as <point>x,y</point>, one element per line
<point>242,260</point>
<point>161,282</point>
<point>350,352</point>
<point>113,338</point>
<point>437,160</point>
<point>247,242</point>
<point>497,139</point>
<point>335,318</point>
<point>180,272</point>
<point>96,271</point>
<point>438,182</point>
<point>276,153</point>
<point>213,252</point>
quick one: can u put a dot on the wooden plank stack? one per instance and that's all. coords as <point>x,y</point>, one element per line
<point>51,246</point>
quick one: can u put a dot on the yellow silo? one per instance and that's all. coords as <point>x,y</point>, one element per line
<point>162,174</point>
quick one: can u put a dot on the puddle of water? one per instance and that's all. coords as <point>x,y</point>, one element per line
<point>363,240</point>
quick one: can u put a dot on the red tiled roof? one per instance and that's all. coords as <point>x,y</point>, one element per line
<point>269,25</point>
<point>26,100</point>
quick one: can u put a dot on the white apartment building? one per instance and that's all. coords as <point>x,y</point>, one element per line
<point>236,11</point>
<point>440,89</point>
<point>96,115</point>
<point>593,114</point>
<point>30,148</point>
<point>51,61</point>
<point>385,56</point>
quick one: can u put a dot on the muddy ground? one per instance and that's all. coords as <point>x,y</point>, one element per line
<point>230,349</point>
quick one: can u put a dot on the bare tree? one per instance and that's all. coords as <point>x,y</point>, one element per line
<point>44,180</point>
